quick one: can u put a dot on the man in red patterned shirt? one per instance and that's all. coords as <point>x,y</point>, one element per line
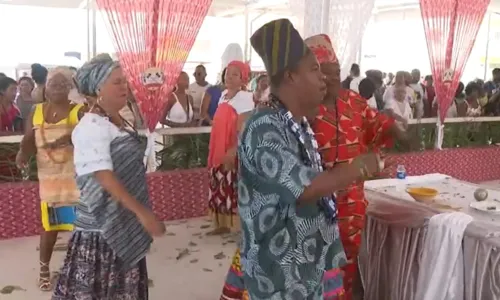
<point>345,128</point>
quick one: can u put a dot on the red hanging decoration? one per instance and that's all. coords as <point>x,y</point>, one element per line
<point>153,39</point>
<point>451,27</point>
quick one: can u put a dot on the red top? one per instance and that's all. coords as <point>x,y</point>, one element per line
<point>224,134</point>
<point>360,129</point>
<point>8,117</point>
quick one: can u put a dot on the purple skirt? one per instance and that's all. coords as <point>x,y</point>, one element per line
<point>92,271</point>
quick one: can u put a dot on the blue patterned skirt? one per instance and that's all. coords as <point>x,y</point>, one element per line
<point>92,271</point>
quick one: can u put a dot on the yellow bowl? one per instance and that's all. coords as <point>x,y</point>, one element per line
<point>422,194</point>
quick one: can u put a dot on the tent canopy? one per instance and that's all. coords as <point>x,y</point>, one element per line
<point>224,8</point>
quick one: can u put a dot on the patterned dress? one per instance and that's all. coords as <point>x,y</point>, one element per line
<point>285,247</point>
<point>106,253</point>
<point>56,171</point>
<point>359,129</point>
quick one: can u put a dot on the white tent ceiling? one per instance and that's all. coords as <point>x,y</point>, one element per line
<point>232,7</point>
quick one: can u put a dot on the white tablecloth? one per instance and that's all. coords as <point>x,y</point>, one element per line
<point>396,228</point>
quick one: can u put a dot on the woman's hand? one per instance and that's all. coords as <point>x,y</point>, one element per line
<point>370,164</point>
<point>152,225</point>
<point>21,160</point>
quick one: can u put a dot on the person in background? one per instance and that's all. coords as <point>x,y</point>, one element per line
<point>493,86</point>
<point>48,135</point>
<point>24,101</point>
<point>114,226</point>
<point>483,97</point>
<point>356,78</point>
<point>390,79</point>
<point>260,93</point>
<point>234,107</point>
<point>377,78</point>
<point>39,75</point>
<point>472,93</point>
<point>132,114</point>
<point>2,75</point>
<point>420,95</point>
<point>430,93</point>
<point>367,91</point>
<point>457,108</point>
<point>402,79</point>
<point>198,88</point>
<point>179,111</point>
<point>10,116</point>
<point>211,101</point>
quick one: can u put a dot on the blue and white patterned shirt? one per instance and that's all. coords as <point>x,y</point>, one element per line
<point>285,247</point>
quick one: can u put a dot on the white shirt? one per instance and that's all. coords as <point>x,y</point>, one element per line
<point>242,102</point>
<point>401,109</point>
<point>372,103</point>
<point>419,106</point>
<point>354,85</point>
<point>91,139</point>
<point>389,95</point>
<point>197,91</point>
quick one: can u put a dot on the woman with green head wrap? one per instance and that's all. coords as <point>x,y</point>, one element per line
<point>114,225</point>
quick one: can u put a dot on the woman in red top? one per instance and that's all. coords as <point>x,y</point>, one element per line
<point>345,128</point>
<point>10,116</point>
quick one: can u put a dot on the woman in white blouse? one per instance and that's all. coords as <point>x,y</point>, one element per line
<point>234,106</point>
<point>114,222</point>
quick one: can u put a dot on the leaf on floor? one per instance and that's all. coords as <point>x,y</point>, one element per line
<point>204,226</point>
<point>193,261</point>
<point>192,244</point>
<point>8,289</point>
<point>182,254</point>
<point>170,234</point>
<point>207,270</point>
<point>151,283</point>
<point>231,241</point>
<point>61,247</point>
<point>196,234</point>
<point>220,255</point>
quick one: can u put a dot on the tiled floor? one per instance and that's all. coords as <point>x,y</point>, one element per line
<point>186,264</point>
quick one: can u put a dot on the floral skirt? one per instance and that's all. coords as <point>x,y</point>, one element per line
<point>92,271</point>
<point>223,198</point>
<point>234,287</point>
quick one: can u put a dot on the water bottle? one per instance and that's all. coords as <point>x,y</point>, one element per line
<point>400,172</point>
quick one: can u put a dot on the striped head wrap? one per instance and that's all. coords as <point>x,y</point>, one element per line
<point>90,77</point>
<point>279,45</point>
<point>322,47</point>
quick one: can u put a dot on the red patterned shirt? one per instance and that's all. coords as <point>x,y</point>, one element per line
<point>360,129</point>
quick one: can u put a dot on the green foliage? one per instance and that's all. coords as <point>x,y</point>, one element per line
<point>184,152</point>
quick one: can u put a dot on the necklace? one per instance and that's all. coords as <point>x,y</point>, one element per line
<point>44,137</point>
<point>304,133</point>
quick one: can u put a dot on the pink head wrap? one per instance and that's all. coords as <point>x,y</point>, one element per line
<point>244,69</point>
<point>322,47</point>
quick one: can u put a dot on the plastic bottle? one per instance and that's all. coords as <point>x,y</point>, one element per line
<point>401,172</point>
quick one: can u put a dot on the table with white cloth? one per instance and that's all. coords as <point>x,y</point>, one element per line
<point>396,228</point>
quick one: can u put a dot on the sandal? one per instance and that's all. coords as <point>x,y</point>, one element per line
<point>44,282</point>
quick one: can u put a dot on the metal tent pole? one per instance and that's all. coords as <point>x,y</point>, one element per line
<point>487,52</point>
<point>94,29</point>
<point>88,29</point>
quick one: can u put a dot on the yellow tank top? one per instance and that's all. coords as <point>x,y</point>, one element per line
<point>38,118</point>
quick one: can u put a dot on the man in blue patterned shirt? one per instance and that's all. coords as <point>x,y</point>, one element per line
<point>290,233</point>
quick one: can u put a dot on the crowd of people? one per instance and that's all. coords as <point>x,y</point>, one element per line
<point>289,152</point>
